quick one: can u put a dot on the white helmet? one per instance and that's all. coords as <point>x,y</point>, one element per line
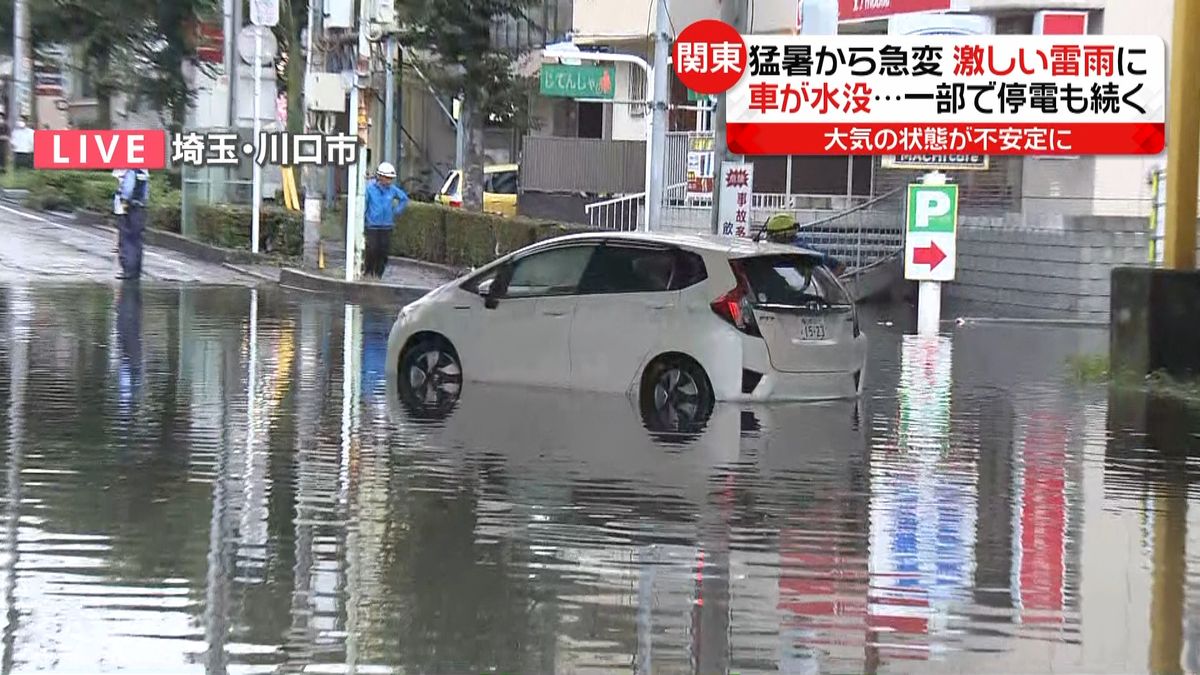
<point>386,170</point>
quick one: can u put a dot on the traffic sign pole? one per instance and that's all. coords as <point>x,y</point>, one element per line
<point>930,248</point>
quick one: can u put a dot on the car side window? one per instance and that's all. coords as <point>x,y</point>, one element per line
<point>557,271</point>
<point>618,268</point>
<point>504,183</point>
<point>689,270</point>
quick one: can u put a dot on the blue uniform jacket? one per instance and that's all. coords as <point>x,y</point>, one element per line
<point>384,204</point>
<point>827,260</point>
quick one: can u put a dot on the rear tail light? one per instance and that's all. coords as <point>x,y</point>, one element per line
<point>735,307</point>
<point>456,203</point>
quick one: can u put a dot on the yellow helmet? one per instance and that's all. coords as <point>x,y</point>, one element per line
<point>781,222</point>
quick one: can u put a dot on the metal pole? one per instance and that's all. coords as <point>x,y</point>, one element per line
<point>1183,143</point>
<point>235,70</point>
<point>231,56</point>
<point>787,190</point>
<point>389,113</point>
<point>657,146</point>
<point>257,169</point>
<point>309,176</point>
<point>20,75</point>
<point>358,174</point>
<point>733,12</point>
<point>929,293</point>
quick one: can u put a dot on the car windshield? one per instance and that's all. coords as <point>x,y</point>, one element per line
<point>791,280</point>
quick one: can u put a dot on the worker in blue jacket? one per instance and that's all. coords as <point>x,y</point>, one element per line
<point>385,202</point>
<point>782,228</point>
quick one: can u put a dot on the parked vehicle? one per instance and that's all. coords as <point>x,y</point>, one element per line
<point>667,318</point>
<point>499,189</point>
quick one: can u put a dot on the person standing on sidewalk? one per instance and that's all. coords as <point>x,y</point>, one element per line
<point>134,195</point>
<point>22,144</point>
<point>385,202</point>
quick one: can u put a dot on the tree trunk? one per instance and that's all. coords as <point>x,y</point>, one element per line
<point>102,72</point>
<point>290,23</point>
<point>472,121</point>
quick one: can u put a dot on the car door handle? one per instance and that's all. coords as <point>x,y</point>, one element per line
<point>556,312</point>
<point>656,306</point>
<point>462,307</point>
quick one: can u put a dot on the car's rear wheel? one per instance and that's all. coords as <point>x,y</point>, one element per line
<point>430,375</point>
<point>676,394</point>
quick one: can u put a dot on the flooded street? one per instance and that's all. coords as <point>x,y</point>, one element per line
<point>220,479</point>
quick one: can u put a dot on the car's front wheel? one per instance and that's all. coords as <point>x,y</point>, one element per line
<point>676,395</point>
<point>430,375</point>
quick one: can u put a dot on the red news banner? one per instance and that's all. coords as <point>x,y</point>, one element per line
<point>100,149</point>
<point>940,95</point>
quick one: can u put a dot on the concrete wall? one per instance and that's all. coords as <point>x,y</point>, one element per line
<point>1023,272</point>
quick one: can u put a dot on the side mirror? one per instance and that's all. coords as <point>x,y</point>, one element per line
<point>488,290</point>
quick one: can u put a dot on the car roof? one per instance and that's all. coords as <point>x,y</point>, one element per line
<point>734,247</point>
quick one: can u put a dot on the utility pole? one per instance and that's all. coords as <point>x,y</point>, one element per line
<point>657,142</point>
<point>19,94</point>
<point>309,176</point>
<point>733,12</point>
<point>389,105</point>
<point>1183,141</point>
<point>358,173</point>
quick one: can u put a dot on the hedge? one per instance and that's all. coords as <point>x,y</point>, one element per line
<point>280,230</point>
<point>459,238</point>
<point>429,232</point>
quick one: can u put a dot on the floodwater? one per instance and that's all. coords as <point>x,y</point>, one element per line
<point>205,479</point>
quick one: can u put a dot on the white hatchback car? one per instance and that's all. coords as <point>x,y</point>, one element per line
<point>672,319</point>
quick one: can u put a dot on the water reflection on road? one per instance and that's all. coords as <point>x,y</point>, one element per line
<point>221,480</point>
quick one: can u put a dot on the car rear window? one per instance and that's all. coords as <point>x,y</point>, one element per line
<point>791,280</point>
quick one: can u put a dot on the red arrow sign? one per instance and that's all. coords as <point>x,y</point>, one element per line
<point>930,255</point>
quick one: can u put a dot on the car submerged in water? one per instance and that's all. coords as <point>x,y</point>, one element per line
<point>677,321</point>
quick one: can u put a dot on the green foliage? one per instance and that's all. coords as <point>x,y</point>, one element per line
<point>84,190</point>
<point>133,46</point>
<point>280,230</point>
<point>459,238</point>
<point>456,34</point>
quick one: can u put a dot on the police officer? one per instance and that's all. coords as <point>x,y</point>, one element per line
<point>133,195</point>
<point>385,201</point>
<point>782,228</point>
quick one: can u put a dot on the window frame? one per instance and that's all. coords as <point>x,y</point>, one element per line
<point>673,251</point>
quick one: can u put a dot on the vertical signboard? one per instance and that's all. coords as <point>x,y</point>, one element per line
<point>737,191</point>
<point>930,243</point>
<point>700,161</point>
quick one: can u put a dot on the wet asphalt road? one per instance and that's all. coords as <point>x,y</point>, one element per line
<point>37,247</point>
<point>219,479</point>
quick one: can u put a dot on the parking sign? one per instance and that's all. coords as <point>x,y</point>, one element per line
<point>930,250</point>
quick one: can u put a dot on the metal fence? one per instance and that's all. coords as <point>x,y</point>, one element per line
<point>583,165</point>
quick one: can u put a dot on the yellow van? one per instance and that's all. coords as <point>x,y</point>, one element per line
<point>499,189</point>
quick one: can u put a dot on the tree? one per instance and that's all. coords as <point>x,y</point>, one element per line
<point>134,46</point>
<point>455,37</point>
<point>293,22</point>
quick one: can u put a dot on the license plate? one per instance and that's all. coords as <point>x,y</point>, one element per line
<point>812,329</point>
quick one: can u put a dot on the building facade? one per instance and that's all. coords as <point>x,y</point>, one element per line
<point>1034,192</point>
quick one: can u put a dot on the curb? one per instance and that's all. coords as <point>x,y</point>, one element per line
<point>361,291</point>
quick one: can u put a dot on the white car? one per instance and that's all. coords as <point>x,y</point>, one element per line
<point>676,320</point>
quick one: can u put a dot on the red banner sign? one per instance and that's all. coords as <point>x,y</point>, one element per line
<point>100,149</point>
<point>866,10</point>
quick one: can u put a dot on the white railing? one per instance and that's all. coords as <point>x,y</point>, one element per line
<point>622,213</point>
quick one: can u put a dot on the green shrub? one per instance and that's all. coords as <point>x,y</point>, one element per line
<point>459,238</point>
<point>280,230</point>
<point>84,190</point>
